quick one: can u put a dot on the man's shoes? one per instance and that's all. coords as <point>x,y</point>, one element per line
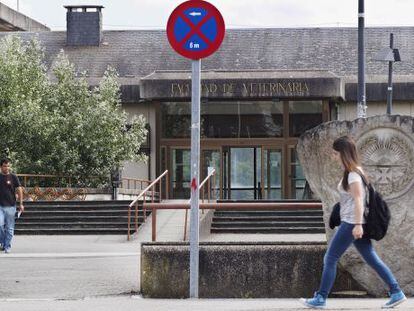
<point>7,250</point>
<point>395,300</point>
<point>317,302</point>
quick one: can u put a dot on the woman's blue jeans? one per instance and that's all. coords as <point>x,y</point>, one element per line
<point>7,225</point>
<point>342,239</point>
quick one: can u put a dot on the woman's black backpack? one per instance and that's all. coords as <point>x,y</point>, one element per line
<point>377,216</point>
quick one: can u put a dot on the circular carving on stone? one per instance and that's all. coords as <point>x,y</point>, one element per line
<point>388,158</point>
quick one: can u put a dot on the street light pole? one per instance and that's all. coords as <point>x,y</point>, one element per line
<point>389,89</point>
<point>362,107</point>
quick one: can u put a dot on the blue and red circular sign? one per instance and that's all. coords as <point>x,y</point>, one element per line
<point>195,29</point>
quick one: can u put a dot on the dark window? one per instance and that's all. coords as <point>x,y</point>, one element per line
<point>304,115</point>
<point>225,120</point>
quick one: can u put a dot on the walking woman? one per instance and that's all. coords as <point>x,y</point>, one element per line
<point>352,201</point>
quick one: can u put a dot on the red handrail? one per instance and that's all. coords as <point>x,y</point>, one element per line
<point>143,194</point>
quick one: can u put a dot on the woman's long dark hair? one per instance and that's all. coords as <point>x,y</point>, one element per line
<point>349,157</point>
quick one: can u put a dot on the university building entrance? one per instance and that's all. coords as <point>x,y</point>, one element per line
<point>250,125</point>
<point>251,145</point>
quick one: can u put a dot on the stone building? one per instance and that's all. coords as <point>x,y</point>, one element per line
<point>11,20</point>
<point>260,92</point>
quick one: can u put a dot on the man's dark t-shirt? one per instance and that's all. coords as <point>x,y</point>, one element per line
<point>8,185</point>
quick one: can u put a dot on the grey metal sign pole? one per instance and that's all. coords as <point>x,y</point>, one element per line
<point>389,88</point>
<point>195,164</point>
<point>362,107</point>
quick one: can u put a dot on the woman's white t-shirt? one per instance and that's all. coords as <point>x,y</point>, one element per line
<point>347,201</point>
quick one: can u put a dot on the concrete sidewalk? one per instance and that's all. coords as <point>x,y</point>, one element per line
<point>76,267</point>
<point>133,303</point>
<point>69,267</point>
<point>65,244</point>
<point>102,273</point>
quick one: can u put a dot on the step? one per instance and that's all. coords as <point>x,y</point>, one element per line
<point>269,230</point>
<point>81,204</point>
<point>286,201</point>
<point>241,213</point>
<point>68,231</point>
<point>68,203</point>
<point>75,207</point>
<point>268,218</point>
<point>78,217</point>
<point>48,219</point>
<point>72,225</point>
<point>80,213</point>
<point>266,224</point>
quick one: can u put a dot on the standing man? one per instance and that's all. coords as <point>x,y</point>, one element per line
<point>9,183</point>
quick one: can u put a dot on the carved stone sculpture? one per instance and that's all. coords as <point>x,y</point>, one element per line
<point>386,148</point>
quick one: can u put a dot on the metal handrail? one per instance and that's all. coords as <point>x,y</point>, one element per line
<point>135,181</point>
<point>69,179</point>
<point>26,176</point>
<point>207,179</point>
<point>143,195</point>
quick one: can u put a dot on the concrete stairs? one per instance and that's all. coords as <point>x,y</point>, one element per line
<point>76,217</point>
<point>281,221</point>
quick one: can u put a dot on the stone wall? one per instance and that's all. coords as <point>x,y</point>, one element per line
<point>235,270</point>
<point>386,147</point>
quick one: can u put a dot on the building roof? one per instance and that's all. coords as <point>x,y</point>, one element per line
<point>11,20</point>
<point>138,53</point>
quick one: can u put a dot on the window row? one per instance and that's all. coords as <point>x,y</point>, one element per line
<point>242,119</point>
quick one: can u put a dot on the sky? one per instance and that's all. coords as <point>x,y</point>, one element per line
<point>153,14</point>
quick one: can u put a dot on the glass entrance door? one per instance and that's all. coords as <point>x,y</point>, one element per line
<point>180,173</point>
<point>272,175</point>
<point>242,173</point>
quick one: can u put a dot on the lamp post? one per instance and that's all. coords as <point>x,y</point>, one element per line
<point>362,107</point>
<point>390,55</point>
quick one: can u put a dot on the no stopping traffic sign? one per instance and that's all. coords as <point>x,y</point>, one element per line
<point>195,29</point>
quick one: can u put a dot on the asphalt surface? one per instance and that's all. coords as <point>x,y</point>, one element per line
<point>134,303</point>
<point>69,267</point>
<point>102,273</point>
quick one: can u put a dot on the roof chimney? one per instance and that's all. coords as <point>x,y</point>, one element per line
<point>84,25</point>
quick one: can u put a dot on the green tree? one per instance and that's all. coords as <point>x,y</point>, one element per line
<point>57,124</point>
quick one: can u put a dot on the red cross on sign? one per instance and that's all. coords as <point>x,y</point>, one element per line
<point>195,29</point>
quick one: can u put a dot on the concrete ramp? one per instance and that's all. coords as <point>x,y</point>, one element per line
<point>170,226</point>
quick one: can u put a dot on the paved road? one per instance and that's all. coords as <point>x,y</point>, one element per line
<point>68,278</point>
<point>99,273</point>
<point>69,267</point>
<point>134,303</point>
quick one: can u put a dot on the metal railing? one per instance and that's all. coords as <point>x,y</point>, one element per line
<point>201,187</point>
<point>50,187</point>
<point>143,196</point>
<point>232,206</point>
<point>61,181</point>
<point>132,183</point>
<point>57,179</point>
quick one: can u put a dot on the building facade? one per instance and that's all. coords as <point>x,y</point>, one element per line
<point>260,92</point>
<point>11,20</point>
